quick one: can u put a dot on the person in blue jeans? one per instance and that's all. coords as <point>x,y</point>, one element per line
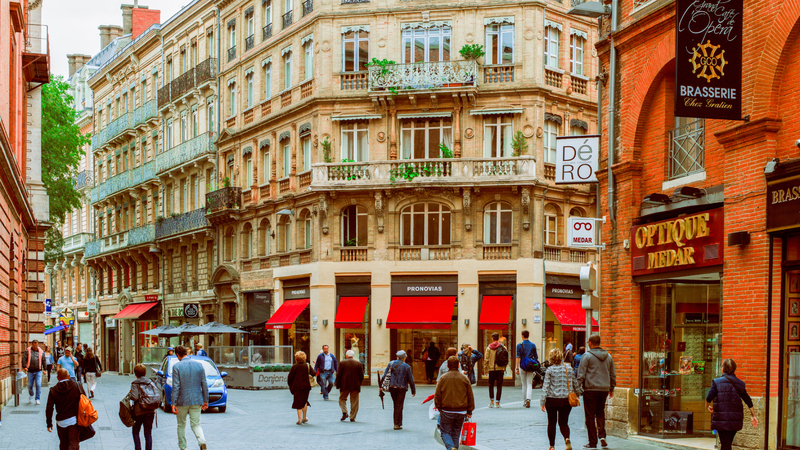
<point>526,352</point>
<point>326,367</point>
<point>455,402</point>
<point>400,379</point>
<point>33,362</point>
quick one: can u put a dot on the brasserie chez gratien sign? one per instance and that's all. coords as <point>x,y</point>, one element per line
<point>692,241</point>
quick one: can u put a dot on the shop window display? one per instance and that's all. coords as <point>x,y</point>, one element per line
<point>790,395</point>
<point>510,345</point>
<point>415,342</point>
<point>145,342</point>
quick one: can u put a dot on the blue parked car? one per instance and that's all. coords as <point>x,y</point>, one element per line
<point>217,391</point>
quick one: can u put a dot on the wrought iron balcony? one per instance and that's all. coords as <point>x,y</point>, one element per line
<point>125,180</point>
<point>423,75</point>
<point>83,179</point>
<point>287,19</point>
<point>112,130</point>
<point>182,84</point>
<point>142,235</point>
<point>182,223</point>
<point>231,53</point>
<point>308,7</point>
<point>76,242</point>
<point>266,32</point>
<point>193,78</point>
<point>119,241</point>
<point>92,249</point>
<point>144,113</point>
<point>346,2</point>
<point>249,42</point>
<point>164,96</point>
<point>185,152</point>
<point>226,198</point>
<point>437,172</point>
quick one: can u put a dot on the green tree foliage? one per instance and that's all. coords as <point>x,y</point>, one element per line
<point>62,149</point>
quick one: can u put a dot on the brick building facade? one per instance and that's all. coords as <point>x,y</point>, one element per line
<point>691,314</point>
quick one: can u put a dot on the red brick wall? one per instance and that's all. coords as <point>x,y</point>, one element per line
<point>143,19</point>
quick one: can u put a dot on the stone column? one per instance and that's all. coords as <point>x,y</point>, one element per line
<point>392,134</point>
<point>273,182</point>
<point>293,142</point>
<point>457,132</point>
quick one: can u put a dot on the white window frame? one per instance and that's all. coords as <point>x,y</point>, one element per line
<point>504,33</point>
<point>287,159</point>
<point>195,122</point>
<point>287,71</point>
<point>352,134</point>
<point>210,117</point>
<point>429,216</point>
<point>267,166</point>
<point>355,41</point>
<point>494,212</point>
<point>308,232</point>
<point>503,126</point>
<point>266,9</point>
<point>551,225</point>
<point>251,24</point>
<point>408,125</point>
<point>250,91</point>
<point>268,81</point>
<point>576,131</point>
<point>305,143</point>
<point>248,168</point>
<point>549,141</point>
<point>576,44</point>
<point>308,61</point>
<point>426,36</point>
<point>184,127</point>
<point>232,36</point>
<point>232,98</point>
<point>551,38</point>
<point>169,134</point>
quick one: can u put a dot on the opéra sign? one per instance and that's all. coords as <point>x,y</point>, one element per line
<point>691,241</point>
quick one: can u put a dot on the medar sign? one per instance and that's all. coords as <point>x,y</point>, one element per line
<point>577,159</point>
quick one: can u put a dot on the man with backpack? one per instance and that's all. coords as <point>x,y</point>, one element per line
<point>495,364</point>
<point>527,365</point>
<point>146,399</point>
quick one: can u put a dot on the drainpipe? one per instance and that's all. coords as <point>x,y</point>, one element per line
<point>544,275</point>
<point>611,93</point>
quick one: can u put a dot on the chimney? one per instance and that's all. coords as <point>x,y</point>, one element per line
<point>80,61</point>
<point>71,61</point>
<point>143,18</point>
<point>127,19</point>
<point>114,31</point>
<point>105,38</point>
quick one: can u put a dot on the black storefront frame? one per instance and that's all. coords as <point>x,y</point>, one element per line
<point>498,285</point>
<point>356,286</point>
<point>297,284</point>
<point>786,267</point>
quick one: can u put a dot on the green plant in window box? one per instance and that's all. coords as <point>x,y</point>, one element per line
<point>519,144</point>
<point>351,243</point>
<point>472,51</point>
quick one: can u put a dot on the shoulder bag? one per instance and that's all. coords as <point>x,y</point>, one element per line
<point>573,397</point>
<point>312,380</point>
<point>387,378</point>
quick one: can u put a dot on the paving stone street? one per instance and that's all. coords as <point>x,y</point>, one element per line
<point>264,419</point>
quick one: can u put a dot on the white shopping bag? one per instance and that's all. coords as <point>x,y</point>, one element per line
<point>433,413</point>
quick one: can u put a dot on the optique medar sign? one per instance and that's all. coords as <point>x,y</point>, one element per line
<point>708,59</point>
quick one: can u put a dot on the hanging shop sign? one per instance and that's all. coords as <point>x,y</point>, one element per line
<point>577,159</point>
<point>91,305</point>
<point>688,242</point>
<point>708,59</point>
<point>191,311</point>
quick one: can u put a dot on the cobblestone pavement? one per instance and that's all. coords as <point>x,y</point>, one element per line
<point>264,420</point>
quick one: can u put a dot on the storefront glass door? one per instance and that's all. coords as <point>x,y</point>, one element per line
<point>681,355</point>
<point>415,342</point>
<point>790,392</point>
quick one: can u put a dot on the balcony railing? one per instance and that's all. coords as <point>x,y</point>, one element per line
<point>353,253</point>
<point>125,180</point>
<point>287,19</point>
<point>497,251</point>
<point>231,53</point>
<point>142,235</point>
<point>353,80</point>
<point>266,32</point>
<point>423,171</point>
<point>181,223</point>
<point>498,74</point>
<point>249,42</point>
<point>553,77</point>
<point>112,130</point>
<point>76,242</point>
<point>118,241</point>
<point>552,254</point>
<point>92,249</point>
<point>549,172</point>
<point>225,198</point>
<point>429,253</point>
<point>308,7</point>
<point>185,152</point>
<point>83,179</point>
<point>164,96</point>
<point>144,113</point>
<point>183,83</point>
<point>578,84</point>
<point>441,74</point>
<point>195,77</point>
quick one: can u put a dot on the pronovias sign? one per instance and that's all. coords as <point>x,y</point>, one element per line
<point>690,241</point>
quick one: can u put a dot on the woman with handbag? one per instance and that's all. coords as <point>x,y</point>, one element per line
<point>92,369</point>
<point>301,379</point>
<point>558,397</point>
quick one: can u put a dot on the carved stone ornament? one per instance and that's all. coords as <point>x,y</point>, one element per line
<point>326,46</point>
<point>381,136</point>
<point>526,204</point>
<point>470,37</point>
<point>381,42</point>
<point>466,205</point>
<point>323,210</point>
<point>539,132</point>
<point>529,34</point>
<point>527,131</point>
<point>379,210</point>
<point>469,133</point>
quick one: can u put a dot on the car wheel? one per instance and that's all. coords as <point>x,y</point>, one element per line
<point>222,408</point>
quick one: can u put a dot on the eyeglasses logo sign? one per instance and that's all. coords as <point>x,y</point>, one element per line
<point>705,57</point>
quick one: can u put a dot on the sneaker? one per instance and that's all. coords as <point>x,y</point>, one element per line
<point>398,427</point>
<point>30,400</point>
<point>38,402</point>
<point>527,403</point>
<point>589,446</point>
<point>569,443</point>
<point>344,416</point>
<point>497,404</point>
<point>352,420</point>
<point>491,404</point>
<point>203,447</point>
<point>603,442</point>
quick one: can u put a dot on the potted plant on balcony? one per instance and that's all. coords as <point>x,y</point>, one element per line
<point>519,144</point>
<point>384,65</point>
<point>326,150</point>
<point>471,52</point>
<point>226,182</point>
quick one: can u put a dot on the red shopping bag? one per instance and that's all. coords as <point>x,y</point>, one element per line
<point>468,432</point>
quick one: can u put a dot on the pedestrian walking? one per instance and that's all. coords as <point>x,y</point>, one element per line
<point>300,386</point>
<point>443,369</point>
<point>559,381</point>
<point>78,353</point>
<point>348,381</point>
<point>33,362</point>
<point>326,367</point>
<point>68,362</point>
<point>400,379</point>
<point>725,405</point>
<point>527,364</point>
<point>468,357</point>
<point>495,365</point>
<point>198,350</point>
<point>65,398</point>
<point>91,367</point>
<point>59,351</point>
<point>431,358</point>
<point>576,360</point>
<point>455,402</point>
<point>189,396</point>
<point>143,393</point>
<point>597,380</point>
<point>49,362</point>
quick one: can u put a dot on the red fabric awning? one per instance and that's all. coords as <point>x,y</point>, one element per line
<point>427,313</point>
<point>285,316</point>
<point>350,313</point>
<point>570,313</point>
<point>495,312</point>
<point>134,311</point>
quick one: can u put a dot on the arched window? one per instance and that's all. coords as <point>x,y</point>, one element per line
<point>425,224</point>
<point>284,234</point>
<point>307,229</point>
<point>354,226</point>
<point>229,244</point>
<point>247,240</point>
<point>264,238</point>
<point>497,223</point>
<point>551,224</point>
<point>576,212</point>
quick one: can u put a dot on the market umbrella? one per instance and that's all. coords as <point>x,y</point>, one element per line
<point>184,329</point>
<point>216,327</point>
<point>381,394</point>
<point>158,331</point>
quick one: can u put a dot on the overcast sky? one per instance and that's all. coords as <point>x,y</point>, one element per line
<point>73,25</point>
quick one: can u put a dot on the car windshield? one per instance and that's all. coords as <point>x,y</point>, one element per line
<point>211,371</point>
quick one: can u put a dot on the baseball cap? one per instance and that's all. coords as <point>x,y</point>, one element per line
<point>401,354</point>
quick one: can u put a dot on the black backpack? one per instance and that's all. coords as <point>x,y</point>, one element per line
<point>501,357</point>
<point>149,397</point>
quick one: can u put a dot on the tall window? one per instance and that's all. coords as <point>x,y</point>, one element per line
<point>287,6</point>
<point>248,167</point>
<point>251,24</point>
<point>355,48</point>
<point>497,135</point>
<point>355,141</point>
<point>551,35</point>
<point>194,53</point>
<point>308,63</point>
<point>229,244</point>
<point>576,130</point>
<point>183,60</point>
<point>549,137</point>
<point>687,147</point>
<point>210,120</point>
<point>210,43</point>
<point>306,144</point>
<point>284,234</point>
<point>425,224</point>
<point>230,167</point>
<point>267,166</point>
<point>184,127</point>
<point>354,226</point>
<point>287,70</point>
<point>576,54</point>
<point>551,223</point>
<point>267,80</point>
<point>232,98</point>
<point>169,133</point>
<point>287,159</point>
<point>497,224</point>
<point>266,11</point>
<point>426,45</point>
<point>250,90</point>
<point>170,74</point>
<point>264,238</point>
<point>307,228</point>
<point>232,35</point>
<point>421,138</point>
<point>499,44</point>
<point>195,118</point>
<point>247,240</point>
